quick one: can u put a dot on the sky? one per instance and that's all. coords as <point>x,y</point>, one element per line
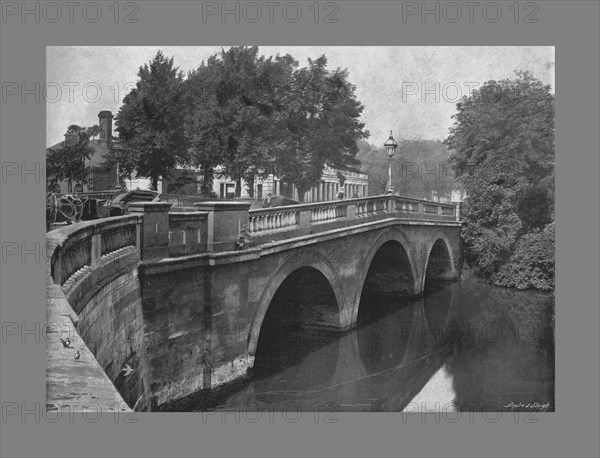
<point>412,91</point>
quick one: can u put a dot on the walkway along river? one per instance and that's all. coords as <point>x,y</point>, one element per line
<point>463,346</point>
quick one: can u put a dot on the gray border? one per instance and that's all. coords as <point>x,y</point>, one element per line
<point>572,431</point>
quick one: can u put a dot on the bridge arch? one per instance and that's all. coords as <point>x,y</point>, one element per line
<point>440,261</point>
<point>306,261</point>
<point>397,237</point>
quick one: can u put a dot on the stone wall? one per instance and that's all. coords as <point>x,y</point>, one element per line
<point>176,343</point>
<point>111,324</point>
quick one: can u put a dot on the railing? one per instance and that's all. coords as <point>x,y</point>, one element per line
<point>271,219</point>
<point>406,205</point>
<point>77,254</point>
<point>118,237</point>
<point>346,212</point>
<point>328,212</point>
<point>372,205</point>
<point>81,245</point>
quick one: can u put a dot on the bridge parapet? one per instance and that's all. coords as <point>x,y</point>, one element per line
<point>82,259</point>
<point>302,219</point>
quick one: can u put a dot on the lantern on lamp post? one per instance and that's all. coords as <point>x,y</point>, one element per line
<point>390,148</point>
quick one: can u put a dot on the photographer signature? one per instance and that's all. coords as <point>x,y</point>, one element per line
<point>532,405</point>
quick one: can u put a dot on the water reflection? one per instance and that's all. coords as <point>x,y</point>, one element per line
<point>463,346</point>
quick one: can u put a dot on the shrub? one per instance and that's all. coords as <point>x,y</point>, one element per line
<point>532,263</point>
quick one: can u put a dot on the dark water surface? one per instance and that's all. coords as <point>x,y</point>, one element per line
<point>463,346</point>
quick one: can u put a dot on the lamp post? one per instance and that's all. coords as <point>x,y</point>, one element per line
<point>390,148</point>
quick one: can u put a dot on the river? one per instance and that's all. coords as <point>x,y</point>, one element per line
<point>462,346</point>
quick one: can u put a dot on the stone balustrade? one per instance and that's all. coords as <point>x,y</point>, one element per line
<point>309,217</point>
<point>82,245</point>
<point>328,212</point>
<point>272,219</point>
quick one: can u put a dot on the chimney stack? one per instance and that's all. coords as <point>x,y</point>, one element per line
<point>105,124</point>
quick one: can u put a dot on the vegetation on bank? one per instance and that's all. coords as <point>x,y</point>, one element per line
<point>503,143</point>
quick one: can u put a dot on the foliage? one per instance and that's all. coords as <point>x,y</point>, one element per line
<point>322,125</point>
<point>68,162</point>
<point>93,131</point>
<point>253,116</point>
<point>233,106</point>
<point>419,168</point>
<point>532,264</point>
<point>126,161</point>
<point>150,122</point>
<point>503,142</point>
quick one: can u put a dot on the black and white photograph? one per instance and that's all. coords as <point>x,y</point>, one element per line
<point>289,229</point>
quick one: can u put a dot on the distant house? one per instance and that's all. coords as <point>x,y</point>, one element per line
<point>98,179</point>
<point>188,180</point>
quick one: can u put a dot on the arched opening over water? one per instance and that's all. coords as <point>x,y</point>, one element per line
<point>296,324</point>
<point>439,266</point>
<point>389,283</point>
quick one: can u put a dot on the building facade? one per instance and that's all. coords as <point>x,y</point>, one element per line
<point>354,184</point>
<point>99,178</point>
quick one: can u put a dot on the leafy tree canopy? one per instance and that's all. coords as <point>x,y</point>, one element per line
<point>68,162</point>
<point>254,116</point>
<point>503,142</point>
<point>150,121</point>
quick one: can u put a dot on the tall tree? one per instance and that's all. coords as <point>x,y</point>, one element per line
<point>503,138</point>
<point>323,125</point>
<point>234,101</point>
<point>150,121</point>
<point>253,116</point>
<point>68,162</point>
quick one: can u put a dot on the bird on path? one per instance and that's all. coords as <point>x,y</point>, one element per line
<point>66,342</point>
<point>77,355</point>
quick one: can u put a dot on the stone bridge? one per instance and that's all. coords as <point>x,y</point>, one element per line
<point>186,295</point>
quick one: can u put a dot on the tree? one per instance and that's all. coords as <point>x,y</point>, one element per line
<point>503,138</point>
<point>125,161</point>
<point>322,125</point>
<point>150,122</point>
<point>68,162</point>
<point>253,116</point>
<point>234,113</point>
<point>93,131</point>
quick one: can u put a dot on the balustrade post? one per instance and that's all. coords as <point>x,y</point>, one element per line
<point>390,205</point>
<point>154,228</point>
<point>305,219</point>
<point>96,246</point>
<point>225,220</point>
<point>351,210</point>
